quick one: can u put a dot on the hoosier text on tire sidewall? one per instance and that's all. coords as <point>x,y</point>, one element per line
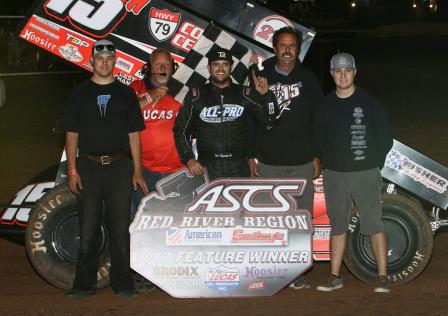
<point>410,242</point>
<point>52,240</point>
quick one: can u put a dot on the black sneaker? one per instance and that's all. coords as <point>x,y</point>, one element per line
<point>130,293</point>
<point>300,283</point>
<point>79,293</point>
<point>383,284</point>
<point>333,282</point>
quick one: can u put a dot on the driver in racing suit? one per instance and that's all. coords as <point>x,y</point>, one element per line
<point>216,114</point>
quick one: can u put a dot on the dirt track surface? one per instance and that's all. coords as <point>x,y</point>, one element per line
<point>410,79</point>
<point>22,292</point>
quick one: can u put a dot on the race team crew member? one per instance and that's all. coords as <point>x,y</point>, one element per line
<point>288,150</point>
<point>102,119</point>
<point>354,137</point>
<point>159,110</point>
<point>216,114</point>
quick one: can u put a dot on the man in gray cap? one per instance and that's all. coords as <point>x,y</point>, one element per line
<point>216,113</point>
<point>354,137</point>
<point>102,120</point>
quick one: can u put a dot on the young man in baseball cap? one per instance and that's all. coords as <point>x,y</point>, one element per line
<point>354,137</point>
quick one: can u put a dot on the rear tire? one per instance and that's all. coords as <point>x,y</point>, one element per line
<point>409,237</point>
<point>52,240</point>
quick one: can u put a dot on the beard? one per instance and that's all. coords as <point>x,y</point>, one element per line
<point>220,81</point>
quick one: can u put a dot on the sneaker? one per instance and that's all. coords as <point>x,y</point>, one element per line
<point>333,283</point>
<point>300,283</point>
<point>79,293</point>
<point>130,293</point>
<point>383,284</point>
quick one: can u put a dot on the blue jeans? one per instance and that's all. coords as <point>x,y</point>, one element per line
<point>151,179</point>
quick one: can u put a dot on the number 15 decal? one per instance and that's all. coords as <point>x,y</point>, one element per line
<point>94,17</point>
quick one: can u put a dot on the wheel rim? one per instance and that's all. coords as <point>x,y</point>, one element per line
<point>66,239</point>
<point>399,247</point>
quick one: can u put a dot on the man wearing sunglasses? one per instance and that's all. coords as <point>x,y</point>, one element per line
<point>102,120</point>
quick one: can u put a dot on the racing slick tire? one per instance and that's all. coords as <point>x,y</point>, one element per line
<point>409,238</point>
<point>52,240</point>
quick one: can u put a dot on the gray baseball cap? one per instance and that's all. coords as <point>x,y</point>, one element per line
<point>342,60</point>
<point>103,46</point>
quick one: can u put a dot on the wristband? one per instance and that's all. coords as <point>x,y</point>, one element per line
<point>72,172</point>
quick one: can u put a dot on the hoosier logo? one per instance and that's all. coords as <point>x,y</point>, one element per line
<point>163,23</point>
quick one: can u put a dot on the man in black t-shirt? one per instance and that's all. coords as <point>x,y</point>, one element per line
<point>287,150</point>
<point>102,120</point>
<point>354,138</point>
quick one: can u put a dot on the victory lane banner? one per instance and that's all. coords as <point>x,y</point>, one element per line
<point>226,238</point>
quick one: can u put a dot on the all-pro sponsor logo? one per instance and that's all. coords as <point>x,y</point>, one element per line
<point>38,40</point>
<point>265,29</point>
<point>222,278</point>
<point>163,23</point>
<point>176,272</point>
<point>401,163</point>
<point>71,53</point>
<point>264,272</point>
<point>221,114</point>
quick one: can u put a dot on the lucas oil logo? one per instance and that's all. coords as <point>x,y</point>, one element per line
<point>221,114</point>
<point>222,279</point>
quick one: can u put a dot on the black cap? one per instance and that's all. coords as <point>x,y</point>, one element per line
<point>219,54</point>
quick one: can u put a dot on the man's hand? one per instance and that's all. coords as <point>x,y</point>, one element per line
<point>316,168</point>
<point>158,93</point>
<point>74,183</point>
<point>195,167</point>
<point>261,83</point>
<point>253,168</point>
<point>139,180</point>
<point>253,58</point>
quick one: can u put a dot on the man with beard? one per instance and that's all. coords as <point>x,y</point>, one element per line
<point>288,149</point>
<point>217,115</point>
<point>102,120</point>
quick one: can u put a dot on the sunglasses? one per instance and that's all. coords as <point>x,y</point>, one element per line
<point>100,48</point>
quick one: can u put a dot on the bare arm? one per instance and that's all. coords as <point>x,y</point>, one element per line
<point>71,147</point>
<point>137,177</point>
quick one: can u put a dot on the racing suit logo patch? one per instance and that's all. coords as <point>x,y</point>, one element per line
<point>221,114</point>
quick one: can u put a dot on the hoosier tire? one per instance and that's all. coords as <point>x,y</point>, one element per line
<point>409,237</point>
<point>52,240</point>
